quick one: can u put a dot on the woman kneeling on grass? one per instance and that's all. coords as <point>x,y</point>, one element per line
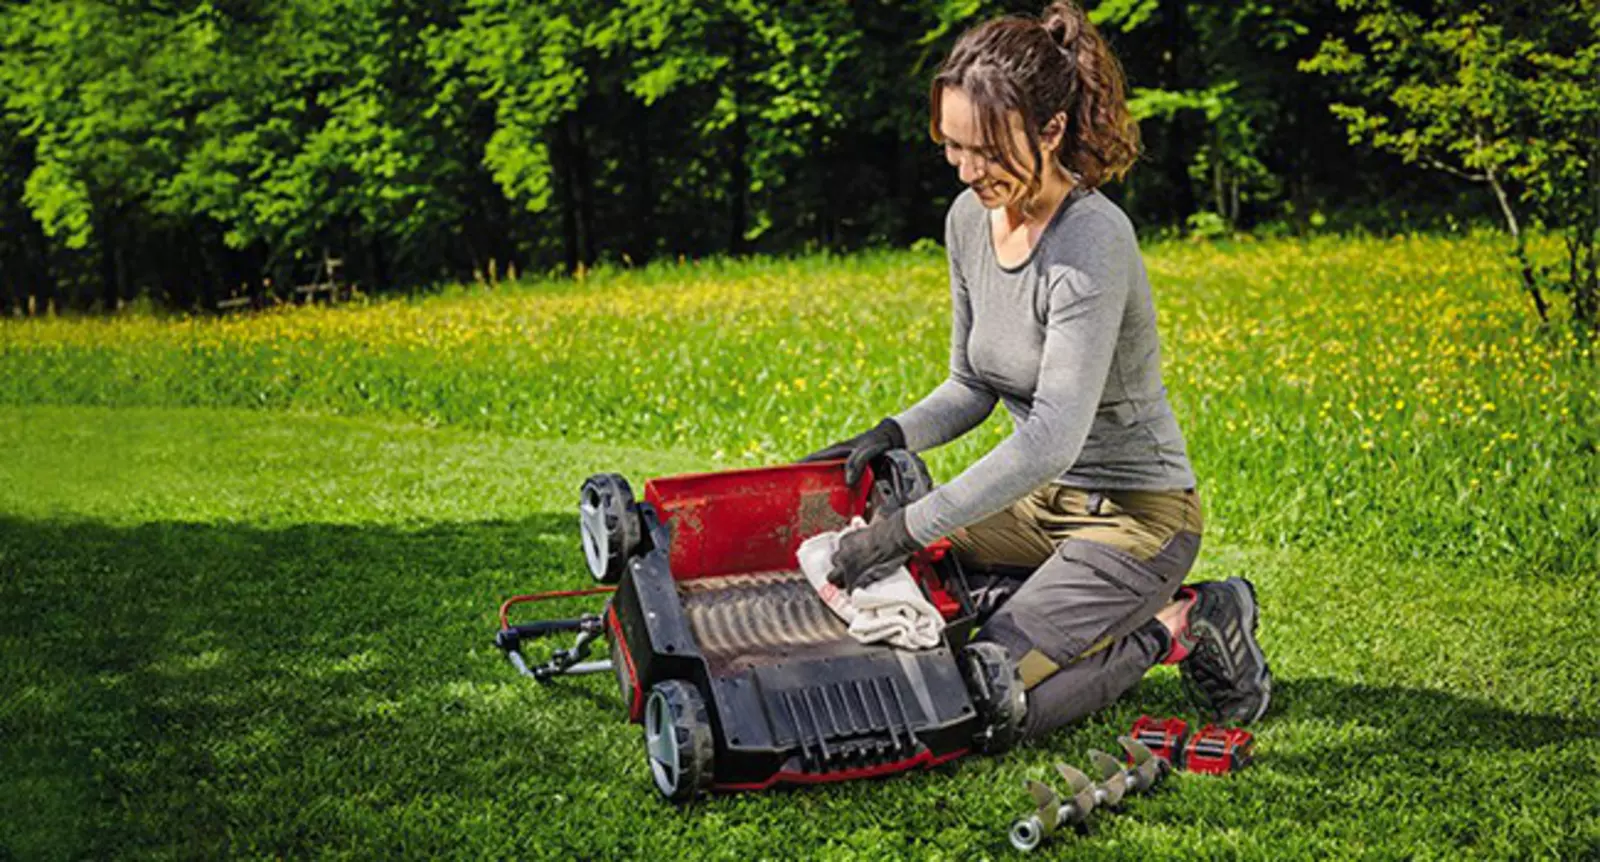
<point>1088,510</point>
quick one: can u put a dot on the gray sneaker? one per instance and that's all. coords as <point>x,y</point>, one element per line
<point>1225,673</point>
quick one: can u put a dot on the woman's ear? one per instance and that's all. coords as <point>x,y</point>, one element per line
<point>1050,136</point>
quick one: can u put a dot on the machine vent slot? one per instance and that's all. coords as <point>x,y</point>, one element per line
<point>844,725</point>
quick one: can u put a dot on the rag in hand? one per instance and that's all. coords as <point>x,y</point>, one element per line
<point>891,609</point>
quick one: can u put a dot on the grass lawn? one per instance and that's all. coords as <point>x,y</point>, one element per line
<point>249,568</point>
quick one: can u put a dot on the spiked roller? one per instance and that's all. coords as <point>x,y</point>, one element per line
<point>1051,809</point>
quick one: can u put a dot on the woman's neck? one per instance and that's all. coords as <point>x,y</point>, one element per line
<point>1057,185</point>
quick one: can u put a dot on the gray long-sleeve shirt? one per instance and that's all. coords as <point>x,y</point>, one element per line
<point>1067,339</point>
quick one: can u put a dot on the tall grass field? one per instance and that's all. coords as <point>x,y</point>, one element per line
<point>249,566</point>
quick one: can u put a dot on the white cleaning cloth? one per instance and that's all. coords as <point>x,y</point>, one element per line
<point>891,609</point>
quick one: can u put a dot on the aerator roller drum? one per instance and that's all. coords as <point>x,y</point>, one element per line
<point>1052,810</point>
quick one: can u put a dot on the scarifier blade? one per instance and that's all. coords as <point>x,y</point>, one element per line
<point>1114,782</point>
<point>1082,791</point>
<point>1147,767</point>
<point>1048,803</point>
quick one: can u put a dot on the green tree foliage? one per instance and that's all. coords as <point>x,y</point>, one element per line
<point>1503,94</point>
<point>214,143</point>
<point>663,125</point>
<point>194,149</point>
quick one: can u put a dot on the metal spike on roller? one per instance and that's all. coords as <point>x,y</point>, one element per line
<point>1146,769</point>
<point>1113,778</point>
<point>1051,810</point>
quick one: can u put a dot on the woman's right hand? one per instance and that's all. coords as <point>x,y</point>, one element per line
<point>859,450</point>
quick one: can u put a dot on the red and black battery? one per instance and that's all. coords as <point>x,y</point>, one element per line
<point>1219,750</point>
<point>1164,737</point>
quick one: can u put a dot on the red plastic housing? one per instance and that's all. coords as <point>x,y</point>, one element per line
<point>743,521</point>
<point>1219,750</point>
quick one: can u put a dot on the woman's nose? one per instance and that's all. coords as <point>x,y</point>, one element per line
<point>969,172</point>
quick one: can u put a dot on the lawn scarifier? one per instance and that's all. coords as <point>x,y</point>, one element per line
<point>741,675</point>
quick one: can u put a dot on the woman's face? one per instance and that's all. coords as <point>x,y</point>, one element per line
<point>976,160</point>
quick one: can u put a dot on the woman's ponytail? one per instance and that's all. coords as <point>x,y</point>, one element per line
<point>1102,137</point>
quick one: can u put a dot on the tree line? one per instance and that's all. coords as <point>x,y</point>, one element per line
<point>194,151</point>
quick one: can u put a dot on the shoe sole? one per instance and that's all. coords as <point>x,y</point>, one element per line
<point>1246,592</point>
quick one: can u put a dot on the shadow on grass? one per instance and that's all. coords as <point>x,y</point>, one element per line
<point>1410,721</point>
<point>211,689</point>
<point>1385,719</point>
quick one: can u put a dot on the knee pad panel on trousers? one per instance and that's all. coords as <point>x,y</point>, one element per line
<point>1086,593</point>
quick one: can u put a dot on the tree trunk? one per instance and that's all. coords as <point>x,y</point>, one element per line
<point>584,193</point>
<point>827,231</point>
<point>113,272</point>
<point>738,183</point>
<point>565,183</point>
<point>379,253</point>
<point>1233,200</point>
<point>11,278</point>
<point>1586,257</point>
<point>738,143</point>
<point>1218,197</point>
<point>644,200</point>
<point>1530,281</point>
<point>1181,129</point>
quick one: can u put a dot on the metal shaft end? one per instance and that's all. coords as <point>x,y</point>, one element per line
<point>1027,834</point>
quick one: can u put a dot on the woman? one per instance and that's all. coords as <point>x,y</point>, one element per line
<point>1090,504</point>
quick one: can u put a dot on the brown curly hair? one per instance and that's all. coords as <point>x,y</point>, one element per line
<point>1057,63</point>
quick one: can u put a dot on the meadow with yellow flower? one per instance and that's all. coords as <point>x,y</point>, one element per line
<point>250,563</point>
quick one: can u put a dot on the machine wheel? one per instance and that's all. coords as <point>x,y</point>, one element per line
<point>996,690</point>
<point>609,521</point>
<point>677,740</point>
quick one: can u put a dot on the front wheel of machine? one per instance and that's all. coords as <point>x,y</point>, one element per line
<point>677,740</point>
<point>997,692</point>
<point>608,519</point>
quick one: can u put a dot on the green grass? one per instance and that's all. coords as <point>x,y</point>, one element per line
<point>1388,394</point>
<point>248,569</point>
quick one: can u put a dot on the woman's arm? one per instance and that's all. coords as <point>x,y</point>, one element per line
<point>1080,339</point>
<point>962,401</point>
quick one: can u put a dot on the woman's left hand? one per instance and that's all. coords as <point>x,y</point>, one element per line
<point>873,552</point>
<point>862,448</point>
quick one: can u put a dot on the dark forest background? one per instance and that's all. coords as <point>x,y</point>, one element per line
<point>192,151</point>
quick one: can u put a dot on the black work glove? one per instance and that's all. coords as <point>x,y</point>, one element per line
<point>862,448</point>
<point>873,552</point>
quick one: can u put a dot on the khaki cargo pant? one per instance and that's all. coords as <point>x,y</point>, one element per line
<point>1071,581</point>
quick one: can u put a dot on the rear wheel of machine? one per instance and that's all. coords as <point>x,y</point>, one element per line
<point>609,521</point>
<point>996,690</point>
<point>677,739</point>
